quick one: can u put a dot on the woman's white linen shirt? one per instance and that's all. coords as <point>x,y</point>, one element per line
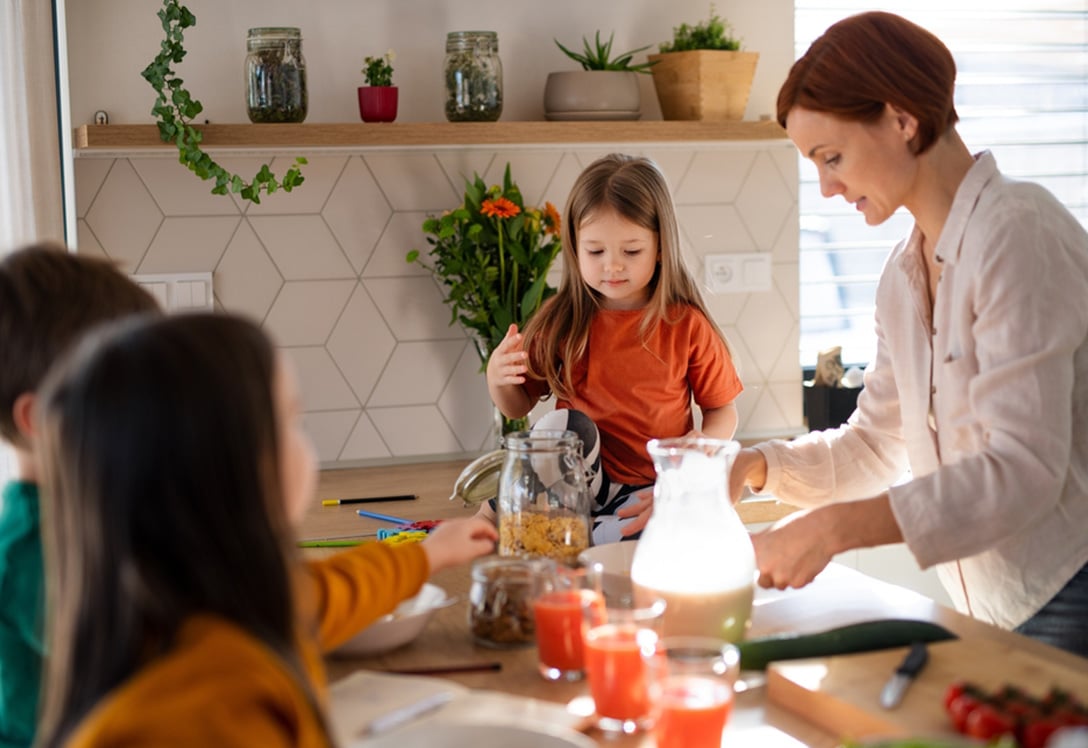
<point>986,403</point>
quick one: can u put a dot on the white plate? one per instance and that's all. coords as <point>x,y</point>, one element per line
<point>439,734</point>
<point>591,116</point>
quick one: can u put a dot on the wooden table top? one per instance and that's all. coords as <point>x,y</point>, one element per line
<point>839,596</point>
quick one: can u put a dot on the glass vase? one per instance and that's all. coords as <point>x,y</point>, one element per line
<point>505,426</point>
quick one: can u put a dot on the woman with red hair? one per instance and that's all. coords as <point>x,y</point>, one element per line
<point>979,386</point>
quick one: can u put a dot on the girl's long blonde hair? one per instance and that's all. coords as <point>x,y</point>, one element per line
<point>634,188</point>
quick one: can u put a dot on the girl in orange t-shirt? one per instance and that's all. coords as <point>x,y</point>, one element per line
<point>625,345</point>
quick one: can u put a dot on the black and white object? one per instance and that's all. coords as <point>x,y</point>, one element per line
<point>904,675</point>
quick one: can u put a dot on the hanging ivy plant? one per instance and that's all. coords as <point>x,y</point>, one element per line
<point>175,108</point>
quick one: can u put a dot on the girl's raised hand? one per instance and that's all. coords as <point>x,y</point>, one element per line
<point>507,363</point>
<point>456,541</point>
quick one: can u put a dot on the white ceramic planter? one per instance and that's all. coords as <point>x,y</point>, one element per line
<point>592,95</point>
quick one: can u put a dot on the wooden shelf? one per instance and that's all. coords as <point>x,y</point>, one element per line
<point>120,137</point>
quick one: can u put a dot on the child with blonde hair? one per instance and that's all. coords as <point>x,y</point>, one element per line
<point>625,345</point>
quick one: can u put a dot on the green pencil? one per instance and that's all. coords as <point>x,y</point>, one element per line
<point>329,543</point>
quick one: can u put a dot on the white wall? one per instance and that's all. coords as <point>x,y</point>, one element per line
<point>383,375</point>
<point>110,42</point>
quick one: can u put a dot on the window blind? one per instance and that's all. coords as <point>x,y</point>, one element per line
<point>1021,92</point>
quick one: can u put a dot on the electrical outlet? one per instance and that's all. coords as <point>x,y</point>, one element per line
<point>740,272</point>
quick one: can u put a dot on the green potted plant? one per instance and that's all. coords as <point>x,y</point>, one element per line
<point>175,110</point>
<point>492,255</point>
<point>378,98</point>
<point>703,74</point>
<point>606,88</point>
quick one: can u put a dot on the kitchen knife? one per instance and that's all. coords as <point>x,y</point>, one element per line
<point>901,679</point>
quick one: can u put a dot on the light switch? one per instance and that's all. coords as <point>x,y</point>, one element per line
<point>176,291</point>
<point>159,291</point>
<point>183,298</point>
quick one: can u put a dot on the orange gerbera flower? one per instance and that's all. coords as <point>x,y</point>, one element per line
<point>499,207</point>
<point>551,219</point>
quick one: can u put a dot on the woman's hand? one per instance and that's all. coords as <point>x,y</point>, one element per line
<point>456,541</point>
<point>798,547</point>
<point>749,469</point>
<point>507,363</point>
<point>794,550</point>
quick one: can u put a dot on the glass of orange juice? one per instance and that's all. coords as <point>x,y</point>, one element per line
<point>560,595</point>
<point>618,642</point>
<point>691,690</point>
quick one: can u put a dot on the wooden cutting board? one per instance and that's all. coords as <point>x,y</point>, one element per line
<point>841,694</point>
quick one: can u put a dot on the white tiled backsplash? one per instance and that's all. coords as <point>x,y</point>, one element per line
<point>384,377</point>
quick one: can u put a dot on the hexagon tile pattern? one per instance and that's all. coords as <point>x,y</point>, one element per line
<point>384,377</point>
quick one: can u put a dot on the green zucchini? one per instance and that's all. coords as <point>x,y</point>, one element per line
<point>867,636</point>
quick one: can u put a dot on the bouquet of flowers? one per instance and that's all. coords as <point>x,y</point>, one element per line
<point>492,254</point>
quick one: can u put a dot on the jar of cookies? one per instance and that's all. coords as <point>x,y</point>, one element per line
<point>543,500</point>
<point>500,600</point>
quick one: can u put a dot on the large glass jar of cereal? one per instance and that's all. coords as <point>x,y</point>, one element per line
<point>473,73</point>
<point>543,501</point>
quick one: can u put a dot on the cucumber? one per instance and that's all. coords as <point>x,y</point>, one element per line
<point>867,636</point>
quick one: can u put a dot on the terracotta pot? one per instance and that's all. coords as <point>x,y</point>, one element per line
<point>703,84</point>
<point>592,95</point>
<point>378,103</point>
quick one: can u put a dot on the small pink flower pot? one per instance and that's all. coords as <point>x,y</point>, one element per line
<point>378,103</point>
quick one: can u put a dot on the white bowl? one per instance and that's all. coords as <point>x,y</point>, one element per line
<point>615,560</point>
<point>614,557</point>
<point>401,626</point>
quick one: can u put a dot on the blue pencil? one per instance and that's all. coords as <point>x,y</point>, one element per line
<point>383,517</point>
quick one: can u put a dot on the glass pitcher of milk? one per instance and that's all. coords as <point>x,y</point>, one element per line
<point>695,553</point>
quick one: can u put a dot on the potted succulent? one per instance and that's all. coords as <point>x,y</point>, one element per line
<point>702,74</point>
<point>606,88</point>
<point>378,98</point>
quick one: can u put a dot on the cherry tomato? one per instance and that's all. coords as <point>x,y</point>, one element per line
<point>1036,734</point>
<point>985,721</point>
<point>960,708</point>
<point>958,688</point>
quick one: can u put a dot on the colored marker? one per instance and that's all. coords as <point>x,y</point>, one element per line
<point>383,517</point>
<point>330,543</point>
<point>372,499</point>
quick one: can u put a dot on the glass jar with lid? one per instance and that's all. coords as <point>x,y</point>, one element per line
<point>543,502</point>
<point>500,600</point>
<point>275,75</point>
<point>473,74</point>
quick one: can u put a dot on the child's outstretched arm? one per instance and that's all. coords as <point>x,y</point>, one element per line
<point>456,541</point>
<point>720,423</point>
<point>506,375</point>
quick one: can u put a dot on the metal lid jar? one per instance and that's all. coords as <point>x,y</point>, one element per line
<point>473,75</point>
<point>500,600</point>
<point>543,502</point>
<point>275,75</point>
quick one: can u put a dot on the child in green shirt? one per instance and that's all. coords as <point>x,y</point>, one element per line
<point>48,299</point>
